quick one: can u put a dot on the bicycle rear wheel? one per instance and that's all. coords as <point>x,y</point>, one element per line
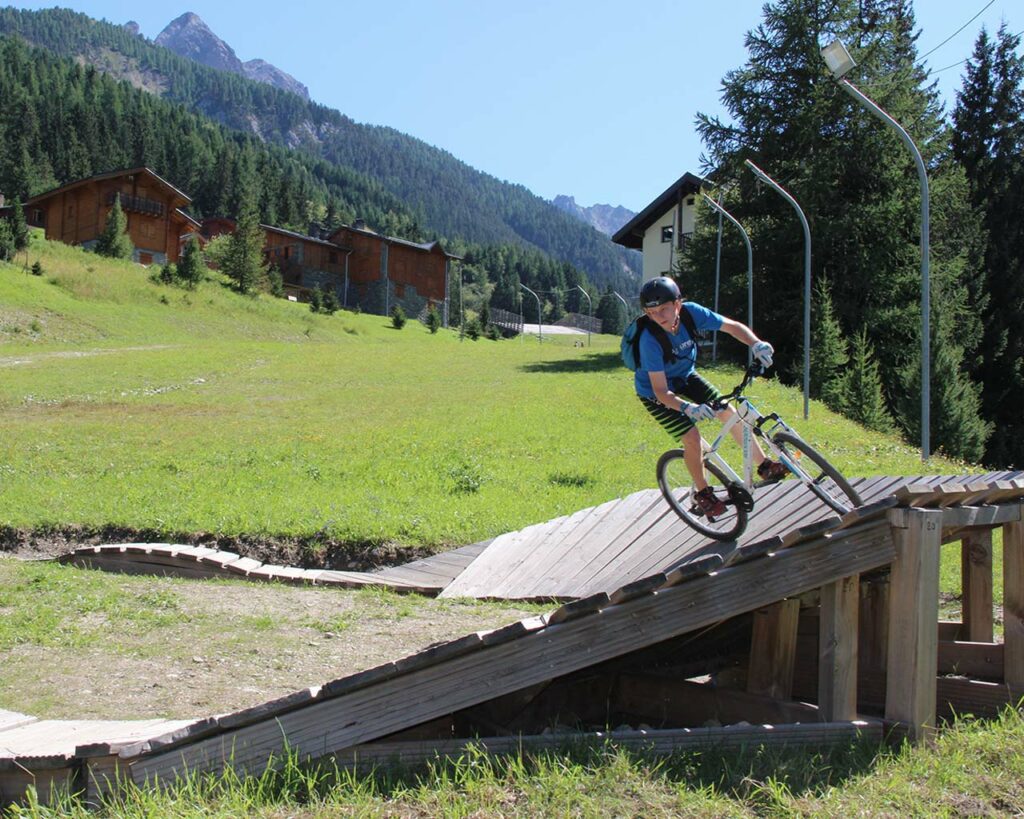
<point>677,487</point>
<point>826,482</point>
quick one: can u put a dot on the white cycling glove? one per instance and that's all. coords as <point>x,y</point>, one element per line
<point>763,352</point>
<point>698,412</point>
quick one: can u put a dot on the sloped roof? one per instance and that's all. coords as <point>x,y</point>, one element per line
<point>426,247</point>
<point>632,233</point>
<point>184,197</point>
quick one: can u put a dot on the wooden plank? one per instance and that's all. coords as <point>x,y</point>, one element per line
<point>666,543</point>
<point>701,567</point>
<point>976,585</point>
<point>960,696</point>
<point>603,544</point>
<point>12,719</point>
<point>877,489</point>
<point>976,660</point>
<point>914,611</point>
<point>869,511</point>
<point>638,588</point>
<point>873,627</point>
<point>996,515</point>
<point>374,755</point>
<point>578,608</point>
<point>837,649</point>
<point>772,649</point>
<point>396,702</point>
<point>1013,606</point>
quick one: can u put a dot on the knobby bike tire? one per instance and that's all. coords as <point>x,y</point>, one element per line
<point>678,495</point>
<point>819,486</point>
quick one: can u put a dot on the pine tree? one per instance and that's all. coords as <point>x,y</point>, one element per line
<point>190,265</point>
<point>244,261</point>
<point>610,313</point>
<point>331,304</point>
<point>6,241</point>
<point>19,227</point>
<point>830,357</point>
<point>433,319</point>
<point>988,140</point>
<point>114,240</point>
<point>865,403</point>
<point>316,300</point>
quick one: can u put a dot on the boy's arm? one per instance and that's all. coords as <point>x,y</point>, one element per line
<point>664,395</point>
<point>762,350</point>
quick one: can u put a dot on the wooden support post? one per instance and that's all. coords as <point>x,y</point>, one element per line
<point>873,628</point>
<point>837,649</point>
<point>914,614</point>
<point>976,585</point>
<point>772,650</point>
<point>1013,607</point>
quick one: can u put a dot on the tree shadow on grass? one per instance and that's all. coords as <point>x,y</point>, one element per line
<point>588,363</point>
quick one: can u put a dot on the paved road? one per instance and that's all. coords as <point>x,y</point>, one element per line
<point>552,329</point>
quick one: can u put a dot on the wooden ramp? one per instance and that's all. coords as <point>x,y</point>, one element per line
<point>427,576</point>
<point>806,553</point>
<point>605,547</point>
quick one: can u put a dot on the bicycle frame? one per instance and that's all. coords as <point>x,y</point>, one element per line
<point>745,413</point>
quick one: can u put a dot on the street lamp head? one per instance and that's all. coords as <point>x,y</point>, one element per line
<point>757,171</point>
<point>837,58</point>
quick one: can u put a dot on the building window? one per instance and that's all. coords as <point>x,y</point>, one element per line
<point>332,257</point>
<point>666,233</point>
<point>690,201</point>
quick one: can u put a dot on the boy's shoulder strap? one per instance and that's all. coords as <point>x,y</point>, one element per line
<point>645,323</point>
<point>686,318</point>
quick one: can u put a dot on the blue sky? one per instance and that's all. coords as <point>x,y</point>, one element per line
<point>591,98</point>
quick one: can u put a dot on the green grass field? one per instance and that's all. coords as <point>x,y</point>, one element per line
<point>219,413</point>
<point>151,408</point>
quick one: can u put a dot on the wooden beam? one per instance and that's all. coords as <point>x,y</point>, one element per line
<point>1013,606</point>
<point>976,585</point>
<point>914,612</point>
<point>958,516</point>
<point>837,649</point>
<point>772,649</point>
<point>976,660</point>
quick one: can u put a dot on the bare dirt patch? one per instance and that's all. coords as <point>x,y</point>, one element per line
<point>164,647</point>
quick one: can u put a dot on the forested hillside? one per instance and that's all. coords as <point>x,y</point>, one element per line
<point>441,194</point>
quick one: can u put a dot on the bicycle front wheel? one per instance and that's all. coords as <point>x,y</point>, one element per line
<point>825,480</point>
<point>677,487</point>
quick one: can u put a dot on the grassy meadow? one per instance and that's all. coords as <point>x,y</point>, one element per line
<point>137,405</point>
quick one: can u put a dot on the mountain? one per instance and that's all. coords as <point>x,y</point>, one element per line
<point>605,218</point>
<point>188,36</point>
<point>444,196</point>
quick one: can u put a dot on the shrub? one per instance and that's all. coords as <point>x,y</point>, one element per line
<point>433,319</point>
<point>398,318</point>
<point>37,268</point>
<point>316,300</point>
<point>331,305</point>
<point>473,329</point>
<point>493,332</point>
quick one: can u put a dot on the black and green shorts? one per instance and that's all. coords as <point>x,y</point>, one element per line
<point>693,388</point>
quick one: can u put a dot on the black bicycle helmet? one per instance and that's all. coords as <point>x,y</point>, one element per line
<point>658,291</point>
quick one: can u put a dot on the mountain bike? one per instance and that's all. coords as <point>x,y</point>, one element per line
<point>778,440</point>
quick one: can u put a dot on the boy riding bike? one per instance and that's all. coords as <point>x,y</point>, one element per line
<point>666,377</point>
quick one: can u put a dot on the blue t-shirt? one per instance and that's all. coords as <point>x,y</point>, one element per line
<point>652,359</point>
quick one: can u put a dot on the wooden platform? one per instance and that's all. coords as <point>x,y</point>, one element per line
<point>636,580</point>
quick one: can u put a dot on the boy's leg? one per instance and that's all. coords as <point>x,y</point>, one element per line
<point>681,429</point>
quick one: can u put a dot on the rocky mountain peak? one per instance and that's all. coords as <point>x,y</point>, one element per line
<point>188,36</point>
<point>605,218</point>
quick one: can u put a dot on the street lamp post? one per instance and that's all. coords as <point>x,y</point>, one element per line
<point>750,256</point>
<point>718,273</point>
<point>540,327</point>
<point>807,277</point>
<point>839,63</point>
<point>590,307</point>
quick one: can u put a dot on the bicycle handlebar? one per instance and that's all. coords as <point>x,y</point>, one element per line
<point>753,371</point>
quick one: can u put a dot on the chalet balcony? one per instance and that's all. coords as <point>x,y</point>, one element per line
<point>136,204</point>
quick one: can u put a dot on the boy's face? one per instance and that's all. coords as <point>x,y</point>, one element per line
<point>665,315</point>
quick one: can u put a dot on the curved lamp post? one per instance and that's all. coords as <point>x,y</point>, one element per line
<point>839,63</point>
<point>807,277</point>
<point>590,307</point>
<point>750,256</point>
<point>540,327</point>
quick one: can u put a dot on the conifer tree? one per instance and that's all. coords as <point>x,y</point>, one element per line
<point>330,301</point>
<point>6,241</point>
<point>244,261</point>
<point>988,140</point>
<point>19,227</point>
<point>316,300</point>
<point>190,265</point>
<point>610,313</point>
<point>830,355</point>
<point>114,240</point>
<point>863,388</point>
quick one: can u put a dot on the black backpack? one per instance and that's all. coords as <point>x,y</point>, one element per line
<point>630,346</point>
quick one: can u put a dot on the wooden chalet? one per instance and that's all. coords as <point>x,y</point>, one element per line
<point>305,262</point>
<point>76,213</point>
<point>384,270</point>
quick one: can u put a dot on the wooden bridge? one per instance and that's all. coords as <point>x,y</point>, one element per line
<point>816,626</point>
